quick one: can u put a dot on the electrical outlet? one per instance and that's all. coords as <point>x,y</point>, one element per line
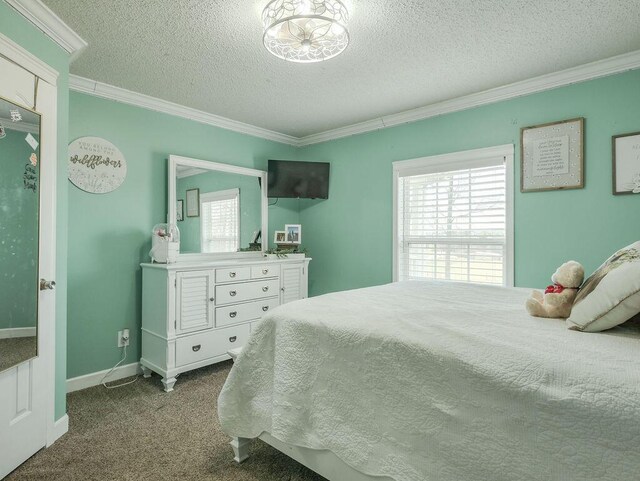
<point>123,338</point>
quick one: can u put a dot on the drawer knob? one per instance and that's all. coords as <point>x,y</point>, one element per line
<point>196,348</point>
<point>265,308</point>
<point>212,299</point>
<point>232,274</point>
<point>232,293</point>
<point>233,338</point>
<point>233,314</point>
<point>265,271</point>
<point>265,288</point>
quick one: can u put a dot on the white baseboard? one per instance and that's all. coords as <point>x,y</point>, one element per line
<point>14,332</point>
<point>93,379</point>
<point>60,428</point>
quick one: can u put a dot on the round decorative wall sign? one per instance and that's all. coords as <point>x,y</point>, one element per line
<point>96,165</point>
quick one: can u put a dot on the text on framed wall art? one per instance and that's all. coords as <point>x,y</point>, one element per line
<point>96,165</point>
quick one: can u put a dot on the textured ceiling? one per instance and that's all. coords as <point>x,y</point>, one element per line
<point>208,54</point>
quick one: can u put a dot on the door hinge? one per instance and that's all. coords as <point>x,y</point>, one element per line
<point>175,283</point>
<point>175,324</point>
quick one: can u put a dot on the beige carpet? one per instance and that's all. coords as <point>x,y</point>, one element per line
<point>139,432</point>
<point>16,351</point>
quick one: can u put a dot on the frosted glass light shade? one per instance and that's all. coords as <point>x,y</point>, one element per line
<point>305,30</point>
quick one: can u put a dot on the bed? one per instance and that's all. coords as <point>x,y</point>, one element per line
<point>428,381</point>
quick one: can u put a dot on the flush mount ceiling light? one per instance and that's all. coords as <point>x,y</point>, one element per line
<point>305,30</point>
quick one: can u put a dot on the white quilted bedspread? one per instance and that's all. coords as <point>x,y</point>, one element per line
<point>441,382</point>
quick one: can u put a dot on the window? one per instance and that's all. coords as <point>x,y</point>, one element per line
<point>453,217</point>
<point>220,221</point>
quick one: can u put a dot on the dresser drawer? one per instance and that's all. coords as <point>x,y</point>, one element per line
<point>200,347</point>
<point>260,272</point>
<point>244,312</point>
<point>233,274</point>
<point>246,291</point>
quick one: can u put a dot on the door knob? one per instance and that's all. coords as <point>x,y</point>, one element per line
<point>45,285</point>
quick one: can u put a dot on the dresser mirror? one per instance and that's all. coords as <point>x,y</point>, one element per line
<point>220,209</point>
<point>19,233</point>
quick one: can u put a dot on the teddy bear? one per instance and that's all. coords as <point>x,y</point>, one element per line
<point>557,300</point>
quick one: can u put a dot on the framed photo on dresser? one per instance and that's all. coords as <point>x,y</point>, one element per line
<point>280,237</point>
<point>294,233</point>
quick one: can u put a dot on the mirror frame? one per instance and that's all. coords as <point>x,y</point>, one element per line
<point>39,239</point>
<point>174,161</point>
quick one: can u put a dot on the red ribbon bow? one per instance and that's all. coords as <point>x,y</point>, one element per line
<point>554,289</point>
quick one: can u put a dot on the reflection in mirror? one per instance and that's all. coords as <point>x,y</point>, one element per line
<point>221,211</point>
<point>19,199</point>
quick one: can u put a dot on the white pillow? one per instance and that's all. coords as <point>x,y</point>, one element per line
<point>611,295</point>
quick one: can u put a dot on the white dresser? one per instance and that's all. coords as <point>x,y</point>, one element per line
<point>193,313</point>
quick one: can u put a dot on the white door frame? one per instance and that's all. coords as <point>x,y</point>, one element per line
<point>47,105</point>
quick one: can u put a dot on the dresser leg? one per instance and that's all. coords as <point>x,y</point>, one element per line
<point>240,448</point>
<point>146,372</point>
<point>168,383</point>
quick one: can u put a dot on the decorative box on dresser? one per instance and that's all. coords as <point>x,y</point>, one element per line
<point>193,313</point>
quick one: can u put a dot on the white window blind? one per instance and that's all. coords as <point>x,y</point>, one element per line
<point>220,221</point>
<point>452,221</point>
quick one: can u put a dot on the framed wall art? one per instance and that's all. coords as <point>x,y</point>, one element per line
<point>96,165</point>
<point>193,203</point>
<point>626,163</point>
<point>180,210</point>
<point>552,156</point>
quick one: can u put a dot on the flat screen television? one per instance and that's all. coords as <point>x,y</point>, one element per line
<point>295,179</point>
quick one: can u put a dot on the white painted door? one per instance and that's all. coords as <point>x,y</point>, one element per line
<point>293,283</point>
<point>26,387</point>
<point>194,301</point>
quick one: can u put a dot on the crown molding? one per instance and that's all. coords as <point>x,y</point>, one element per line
<point>42,17</point>
<point>99,89</point>
<point>582,73</point>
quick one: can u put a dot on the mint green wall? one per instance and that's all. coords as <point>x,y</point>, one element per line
<point>250,205</point>
<point>110,234</point>
<point>18,234</point>
<point>15,27</point>
<point>550,227</point>
<point>349,236</point>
